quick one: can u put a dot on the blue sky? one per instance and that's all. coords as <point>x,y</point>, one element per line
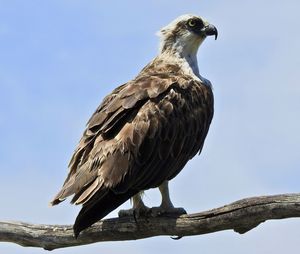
<point>59,58</point>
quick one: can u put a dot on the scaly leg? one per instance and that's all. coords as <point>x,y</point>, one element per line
<point>138,207</point>
<point>166,206</point>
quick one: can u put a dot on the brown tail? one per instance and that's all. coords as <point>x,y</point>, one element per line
<point>98,207</point>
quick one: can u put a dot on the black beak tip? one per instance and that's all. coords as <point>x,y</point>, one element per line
<point>216,34</point>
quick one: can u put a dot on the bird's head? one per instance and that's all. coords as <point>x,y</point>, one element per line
<point>185,34</point>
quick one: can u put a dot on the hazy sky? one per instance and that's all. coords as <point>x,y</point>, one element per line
<point>59,58</point>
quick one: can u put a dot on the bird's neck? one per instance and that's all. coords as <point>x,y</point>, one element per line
<point>186,59</point>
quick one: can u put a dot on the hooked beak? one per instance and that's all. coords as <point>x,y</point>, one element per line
<point>210,30</point>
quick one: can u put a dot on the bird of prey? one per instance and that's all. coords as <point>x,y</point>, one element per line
<point>145,131</point>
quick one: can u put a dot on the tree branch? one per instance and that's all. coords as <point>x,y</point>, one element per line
<point>241,216</point>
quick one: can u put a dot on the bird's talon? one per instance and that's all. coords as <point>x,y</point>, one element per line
<point>160,211</point>
<point>135,212</point>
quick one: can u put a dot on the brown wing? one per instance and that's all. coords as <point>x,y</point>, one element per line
<point>99,145</point>
<point>141,135</point>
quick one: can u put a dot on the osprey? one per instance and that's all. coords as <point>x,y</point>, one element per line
<point>145,131</point>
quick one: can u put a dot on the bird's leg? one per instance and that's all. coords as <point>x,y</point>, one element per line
<point>166,206</point>
<point>138,207</point>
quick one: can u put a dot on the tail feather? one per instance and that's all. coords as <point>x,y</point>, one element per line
<point>101,204</point>
<point>57,199</point>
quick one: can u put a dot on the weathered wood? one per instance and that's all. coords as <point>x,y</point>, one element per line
<point>241,216</point>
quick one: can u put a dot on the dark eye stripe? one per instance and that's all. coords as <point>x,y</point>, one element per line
<point>197,24</point>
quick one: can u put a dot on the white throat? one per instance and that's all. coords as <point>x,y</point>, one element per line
<point>192,63</point>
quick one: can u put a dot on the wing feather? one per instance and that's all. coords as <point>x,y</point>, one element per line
<point>106,124</point>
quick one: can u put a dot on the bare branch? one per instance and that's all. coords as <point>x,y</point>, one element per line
<point>241,216</point>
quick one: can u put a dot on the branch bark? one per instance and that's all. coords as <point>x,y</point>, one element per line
<point>241,216</point>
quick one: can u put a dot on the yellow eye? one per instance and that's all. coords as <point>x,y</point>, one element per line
<point>192,22</point>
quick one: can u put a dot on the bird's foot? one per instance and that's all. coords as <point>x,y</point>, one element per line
<point>152,212</point>
<point>135,212</point>
<point>161,211</point>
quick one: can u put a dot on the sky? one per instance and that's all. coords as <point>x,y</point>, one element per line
<point>59,58</point>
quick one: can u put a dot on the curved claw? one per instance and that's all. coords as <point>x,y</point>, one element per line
<point>176,237</point>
